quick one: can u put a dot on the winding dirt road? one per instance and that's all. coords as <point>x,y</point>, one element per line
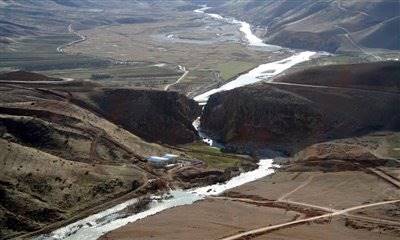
<point>179,79</point>
<point>347,34</point>
<point>82,37</point>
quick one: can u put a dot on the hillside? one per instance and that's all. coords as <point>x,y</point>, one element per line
<point>321,25</point>
<point>156,116</point>
<point>317,25</point>
<point>283,118</point>
<point>68,146</point>
<point>381,76</point>
<point>32,18</point>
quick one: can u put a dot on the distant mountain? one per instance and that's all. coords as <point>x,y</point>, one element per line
<point>321,25</point>
<point>30,17</point>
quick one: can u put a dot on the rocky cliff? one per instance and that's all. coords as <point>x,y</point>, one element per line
<point>280,118</point>
<point>155,116</point>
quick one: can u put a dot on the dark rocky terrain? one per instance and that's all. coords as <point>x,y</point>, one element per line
<point>285,118</point>
<point>155,116</point>
<point>321,25</point>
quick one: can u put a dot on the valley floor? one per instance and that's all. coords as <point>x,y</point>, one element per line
<point>287,205</point>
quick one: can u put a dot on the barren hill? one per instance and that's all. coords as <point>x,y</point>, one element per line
<point>332,102</point>
<point>63,151</point>
<point>321,25</point>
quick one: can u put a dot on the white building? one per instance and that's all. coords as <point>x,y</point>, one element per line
<point>157,161</point>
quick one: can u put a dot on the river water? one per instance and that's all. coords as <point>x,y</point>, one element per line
<point>261,73</point>
<point>98,224</point>
<point>245,28</point>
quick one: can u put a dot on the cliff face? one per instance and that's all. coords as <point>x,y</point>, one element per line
<point>287,118</point>
<point>155,116</point>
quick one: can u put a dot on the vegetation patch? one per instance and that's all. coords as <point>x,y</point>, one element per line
<point>231,69</point>
<point>214,158</point>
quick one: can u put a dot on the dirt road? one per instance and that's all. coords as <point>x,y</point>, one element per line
<point>82,38</point>
<point>179,79</point>
<point>263,230</point>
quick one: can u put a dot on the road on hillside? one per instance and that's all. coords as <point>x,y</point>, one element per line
<point>328,87</point>
<point>185,72</point>
<point>82,38</point>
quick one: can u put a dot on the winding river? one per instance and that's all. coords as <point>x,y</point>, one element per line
<point>98,224</point>
<point>261,73</point>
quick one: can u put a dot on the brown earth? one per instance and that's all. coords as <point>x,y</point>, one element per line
<point>69,146</point>
<point>298,191</point>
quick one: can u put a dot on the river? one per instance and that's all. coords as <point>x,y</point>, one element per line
<point>98,224</point>
<point>261,73</point>
<point>245,28</point>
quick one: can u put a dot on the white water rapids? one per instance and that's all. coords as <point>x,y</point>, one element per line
<point>98,224</point>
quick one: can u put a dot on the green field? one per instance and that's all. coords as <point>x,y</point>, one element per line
<point>213,157</point>
<point>231,69</point>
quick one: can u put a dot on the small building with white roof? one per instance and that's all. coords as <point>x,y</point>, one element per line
<point>157,161</point>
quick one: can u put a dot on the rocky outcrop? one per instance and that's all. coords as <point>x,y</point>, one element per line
<point>283,119</point>
<point>155,116</point>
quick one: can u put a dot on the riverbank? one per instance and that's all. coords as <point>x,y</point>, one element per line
<point>96,225</point>
<point>304,199</point>
<point>261,73</point>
